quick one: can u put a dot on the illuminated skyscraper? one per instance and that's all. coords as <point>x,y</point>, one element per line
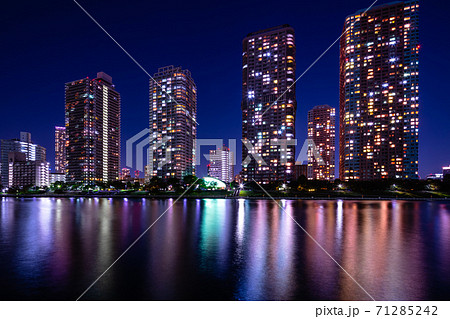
<point>379,93</point>
<point>221,164</point>
<point>321,145</point>
<point>93,130</point>
<point>268,106</point>
<point>173,126</point>
<point>60,149</point>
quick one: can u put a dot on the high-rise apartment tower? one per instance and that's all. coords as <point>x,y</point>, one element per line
<point>321,143</point>
<point>268,105</point>
<point>379,93</point>
<point>173,126</point>
<point>92,130</point>
<point>60,149</point>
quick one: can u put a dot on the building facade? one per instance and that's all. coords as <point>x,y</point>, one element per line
<point>445,170</point>
<point>125,174</point>
<point>57,177</point>
<point>379,93</point>
<point>33,152</point>
<point>268,105</point>
<point>221,164</point>
<point>26,173</point>
<point>60,149</point>
<point>92,130</point>
<point>300,170</point>
<point>321,143</point>
<point>173,126</point>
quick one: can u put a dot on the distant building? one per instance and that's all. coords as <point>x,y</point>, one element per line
<point>221,164</point>
<point>148,173</point>
<point>238,178</point>
<point>173,126</point>
<point>60,149</point>
<point>136,178</point>
<point>139,180</point>
<point>435,176</point>
<point>321,146</point>
<point>445,170</point>
<point>379,93</point>
<point>33,152</point>
<point>300,170</point>
<point>125,174</point>
<point>57,177</point>
<point>25,173</point>
<point>268,104</point>
<point>92,130</point>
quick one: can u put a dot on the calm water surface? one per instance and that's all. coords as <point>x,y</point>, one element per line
<point>223,249</point>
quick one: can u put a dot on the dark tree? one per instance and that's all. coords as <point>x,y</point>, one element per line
<point>234,184</point>
<point>189,179</point>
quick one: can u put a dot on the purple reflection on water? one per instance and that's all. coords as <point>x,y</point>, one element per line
<point>221,249</point>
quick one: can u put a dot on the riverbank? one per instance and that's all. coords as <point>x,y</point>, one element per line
<point>212,196</point>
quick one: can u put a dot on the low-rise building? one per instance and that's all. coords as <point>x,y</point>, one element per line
<point>57,177</point>
<point>445,170</point>
<point>25,173</point>
<point>33,152</point>
<point>434,177</point>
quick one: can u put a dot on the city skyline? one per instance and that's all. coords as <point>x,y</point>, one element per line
<point>233,151</point>
<point>303,108</point>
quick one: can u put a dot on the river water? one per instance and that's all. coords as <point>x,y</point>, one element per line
<point>224,249</point>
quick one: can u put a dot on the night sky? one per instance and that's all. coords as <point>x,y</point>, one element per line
<point>48,43</point>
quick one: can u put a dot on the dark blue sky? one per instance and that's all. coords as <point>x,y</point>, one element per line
<point>48,43</point>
